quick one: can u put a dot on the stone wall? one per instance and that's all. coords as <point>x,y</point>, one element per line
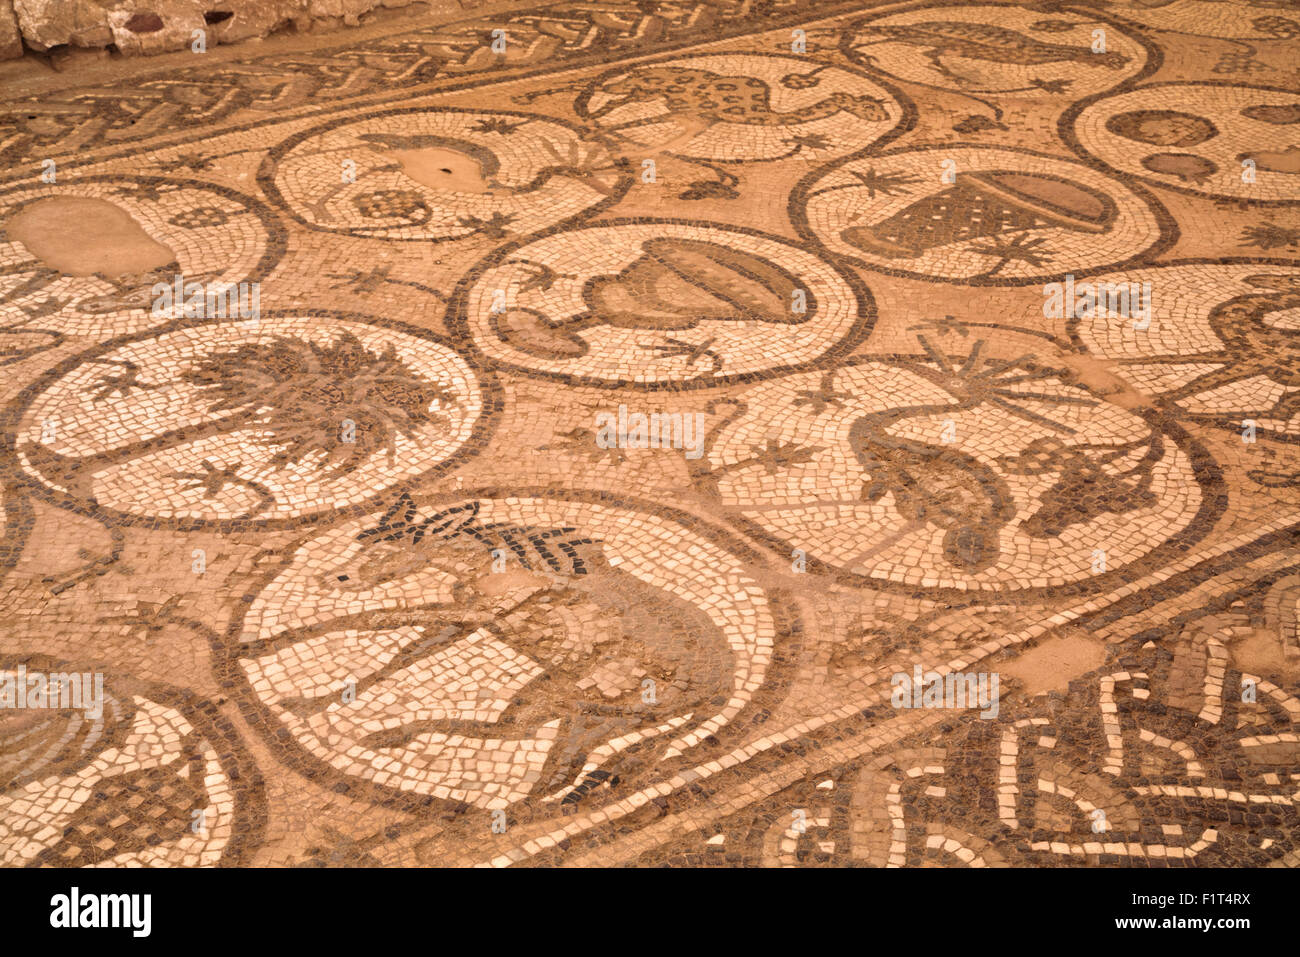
<point>142,27</point>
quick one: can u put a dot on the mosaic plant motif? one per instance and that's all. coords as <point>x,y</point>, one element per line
<point>277,418</point>
<point>689,434</point>
<point>148,779</point>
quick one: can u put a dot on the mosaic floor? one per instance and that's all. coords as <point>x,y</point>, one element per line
<point>700,433</point>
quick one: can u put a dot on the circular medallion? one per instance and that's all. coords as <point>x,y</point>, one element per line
<point>660,304</point>
<point>957,472</point>
<point>976,215</point>
<point>282,418</point>
<point>100,770</point>
<point>1222,345</point>
<point>741,107</point>
<point>491,650</point>
<point>1248,20</point>
<point>441,174</point>
<point>998,49</point>
<point>82,256</point>
<point>1210,139</point>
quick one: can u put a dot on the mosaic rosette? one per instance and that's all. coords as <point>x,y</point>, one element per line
<point>1197,137</point>
<point>1223,344</point>
<point>128,233</point>
<point>270,420</point>
<point>493,650</point>
<point>977,215</point>
<point>961,473</point>
<point>992,49</point>
<point>141,777</point>
<point>661,304</point>
<point>441,174</point>
<point>739,107</point>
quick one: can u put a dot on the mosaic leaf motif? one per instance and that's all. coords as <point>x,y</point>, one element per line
<point>268,420</point>
<point>98,771</point>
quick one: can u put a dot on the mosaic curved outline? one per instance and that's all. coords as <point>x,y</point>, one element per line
<point>45,301</point>
<point>511,200</point>
<point>1221,358</point>
<point>295,440</point>
<point>987,39</point>
<point>123,777</point>
<point>994,461</point>
<point>1177,139</point>
<point>984,221</point>
<point>609,312</point>
<point>406,700</point>
<point>694,88</point>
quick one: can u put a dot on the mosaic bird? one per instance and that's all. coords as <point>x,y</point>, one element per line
<point>488,164</point>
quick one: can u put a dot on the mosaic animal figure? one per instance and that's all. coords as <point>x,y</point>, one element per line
<point>1259,347</point>
<point>562,611</point>
<point>702,98</point>
<point>983,41</point>
<point>934,485</point>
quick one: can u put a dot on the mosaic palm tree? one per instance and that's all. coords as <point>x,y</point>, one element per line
<point>300,396</point>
